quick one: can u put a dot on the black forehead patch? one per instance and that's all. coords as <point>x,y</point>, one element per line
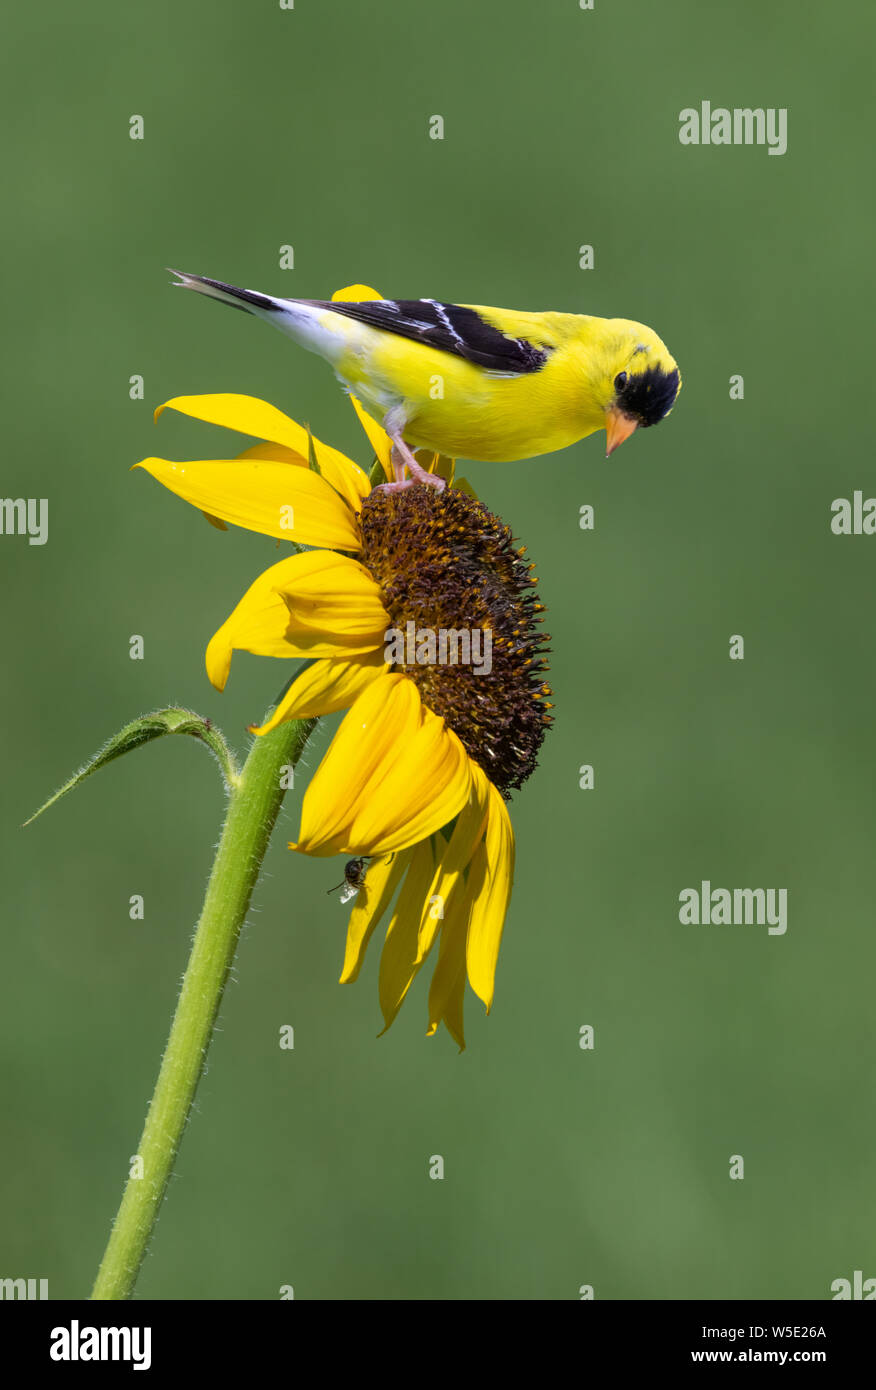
<point>649,395</point>
<point>449,327</point>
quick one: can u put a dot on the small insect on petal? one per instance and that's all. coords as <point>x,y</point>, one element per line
<point>354,877</point>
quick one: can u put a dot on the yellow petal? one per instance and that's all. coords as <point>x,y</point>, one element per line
<point>392,775</point>
<point>425,783</point>
<point>262,623</point>
<point>378,438</point>
<point>334,596</point>
<point>291,504</point>
<point>447,988</point>
<point>381,880</point>
<point>467,833</point>
<point>324,687</point>
<point>246,414</point>
<point>491,899</point>
<point>346,477</point>
<point>249,415</point>
<point>278,452</point>
<point>398,959</point>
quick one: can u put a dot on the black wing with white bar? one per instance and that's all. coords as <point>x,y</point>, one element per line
<point>449,327</point>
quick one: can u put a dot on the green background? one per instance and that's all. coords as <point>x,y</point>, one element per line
<point>563,1167</point>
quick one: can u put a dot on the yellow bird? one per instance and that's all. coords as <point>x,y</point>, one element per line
<point>474,382</point>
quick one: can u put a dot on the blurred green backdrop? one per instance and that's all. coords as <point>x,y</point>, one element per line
<point>309,127</point>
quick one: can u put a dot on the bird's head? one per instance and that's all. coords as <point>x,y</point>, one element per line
<point>640,383</point>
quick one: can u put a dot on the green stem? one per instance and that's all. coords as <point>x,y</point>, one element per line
<point>254,803</point>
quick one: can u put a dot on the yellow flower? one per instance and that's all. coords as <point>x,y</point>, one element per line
<point>416,777</point>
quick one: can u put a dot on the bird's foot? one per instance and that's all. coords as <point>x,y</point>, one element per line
<point>403,458</point>
<point>400,486</point>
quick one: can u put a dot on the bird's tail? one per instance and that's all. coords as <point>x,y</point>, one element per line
<point>304,320</point>
<point>250,300</point>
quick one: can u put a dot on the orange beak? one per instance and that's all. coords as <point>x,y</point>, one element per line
<point>618,427</point>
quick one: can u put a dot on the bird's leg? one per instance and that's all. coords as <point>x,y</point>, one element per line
<point>401,458</point>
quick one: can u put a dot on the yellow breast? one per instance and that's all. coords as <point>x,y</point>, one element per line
<point>463,411</point>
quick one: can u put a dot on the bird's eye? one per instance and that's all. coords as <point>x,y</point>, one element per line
<point>620,381</point>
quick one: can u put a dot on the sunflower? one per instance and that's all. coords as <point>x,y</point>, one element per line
<point>416,778</point>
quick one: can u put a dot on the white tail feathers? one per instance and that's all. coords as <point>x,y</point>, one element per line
<point>238,298</point>
<point>308,323</point>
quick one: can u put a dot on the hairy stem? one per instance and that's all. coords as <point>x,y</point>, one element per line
<point>252,811</point>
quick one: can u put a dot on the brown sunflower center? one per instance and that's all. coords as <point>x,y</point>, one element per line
<point>465,622</point>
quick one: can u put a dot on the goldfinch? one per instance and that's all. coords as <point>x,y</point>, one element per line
<point>474,382</point>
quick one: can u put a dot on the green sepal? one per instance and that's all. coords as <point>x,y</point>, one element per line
<point>141,731</point>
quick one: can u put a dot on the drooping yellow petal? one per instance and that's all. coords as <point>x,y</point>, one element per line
<point>425,783</point>
<point>324,687</point>
<point>398,959</point>
<point>377,436</point>
<point>333,596</point>
<point>452,862</point>
<point>291,504</point>
<point>491,899</point>
<point>249,415</point>
<point>381,880</point>
<point>392,775</point>
<point>262,622</point>
<point>258,623</point>
<point>447,988</point>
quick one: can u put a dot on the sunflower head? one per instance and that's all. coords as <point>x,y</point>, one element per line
<point>447,565</point>
<point>416,614</point>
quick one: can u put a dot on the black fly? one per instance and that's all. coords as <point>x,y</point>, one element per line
<point>354,877</point>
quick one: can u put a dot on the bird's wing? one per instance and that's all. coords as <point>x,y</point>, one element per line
<point>457,328</point>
